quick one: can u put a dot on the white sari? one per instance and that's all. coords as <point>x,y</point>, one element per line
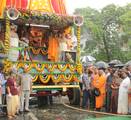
<point>123,96</point>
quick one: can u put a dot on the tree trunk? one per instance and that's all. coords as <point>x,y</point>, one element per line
<point>106,47</point>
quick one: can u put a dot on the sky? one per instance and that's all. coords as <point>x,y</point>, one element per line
<point>97,4</point>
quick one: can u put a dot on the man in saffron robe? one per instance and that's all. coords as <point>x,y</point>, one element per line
<point>99,83</point>
<point>94,78</point>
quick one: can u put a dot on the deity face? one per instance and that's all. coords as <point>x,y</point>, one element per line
<point>36,35</point>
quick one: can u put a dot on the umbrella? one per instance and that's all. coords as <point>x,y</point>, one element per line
<point>120,66</point>
<point>128,63</point>
<point>115,62</point>
<point>101,64</point>
<point>87,59</point>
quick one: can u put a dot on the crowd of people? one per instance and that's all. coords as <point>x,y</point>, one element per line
<point>14,88</point>
<point>107,90</point>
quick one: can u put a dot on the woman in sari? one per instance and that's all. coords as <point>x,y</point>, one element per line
<point>12,96</point>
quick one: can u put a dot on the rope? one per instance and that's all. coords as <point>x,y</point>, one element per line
<point>95,112</point>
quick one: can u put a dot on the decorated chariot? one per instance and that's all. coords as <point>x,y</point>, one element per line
<point>36,36</point>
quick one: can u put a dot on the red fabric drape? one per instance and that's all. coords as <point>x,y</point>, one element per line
<point>19,4</point>
<point>58,6</point>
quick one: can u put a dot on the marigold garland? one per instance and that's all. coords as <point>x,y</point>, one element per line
<point>20,65</point>
<point>62,67</point>
<point>7,66</point>
<point>67,78</point>
<point>56,79</point>
<point>72,67</point>
<point>27,67</point>
<point>79,68</point>
<point>44,52</point>
<point>7,36</point>
<point>34,65</point>
<point>35,78</point>
<point>44,79</point>
<point>75,78</point>
<point>38,68</point>
<point>35,51</point>
<point>50,67</point>
<point>78,44</point>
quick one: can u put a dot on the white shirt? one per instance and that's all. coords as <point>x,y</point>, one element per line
<point>125,84</point>
<point>26,81</point>
<point>86,81</point>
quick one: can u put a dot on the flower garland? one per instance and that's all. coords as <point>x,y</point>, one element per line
<point>35,78</point>
<point>56,78</point>
<point>39,67</point>
<point>7,66</point>
<point>54,20</point>
<point>79,68</point>
<point>75,78</point>
<point>7,36</point>
<point>62,67</point>
<point>50,67</point>
<point>78,44</point>
<point>44,52</point>
<point>27,67</point>
<point>20,65</point>
<point>67,78</point>
<point>45,78</point>
<point>37,51</point>
<point>72,67</point>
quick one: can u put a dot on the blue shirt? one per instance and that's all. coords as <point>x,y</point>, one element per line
<point>3,83</point>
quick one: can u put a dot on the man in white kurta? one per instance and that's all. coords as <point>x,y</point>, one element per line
<point>123,94</point>
<point>26,87</point>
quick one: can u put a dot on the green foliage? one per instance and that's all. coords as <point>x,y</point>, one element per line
<point>110,30</point>
<point>126,21</point>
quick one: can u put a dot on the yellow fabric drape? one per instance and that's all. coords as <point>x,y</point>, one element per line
<point>40,5</point>
<point>2,7</point>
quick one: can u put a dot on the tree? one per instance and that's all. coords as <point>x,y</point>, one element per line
<point>108,29</point>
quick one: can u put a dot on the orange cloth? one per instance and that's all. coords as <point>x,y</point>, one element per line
<point>53,51</point>
<point>2,7</point>
<point>99,82</point>
<point>94,79</point>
